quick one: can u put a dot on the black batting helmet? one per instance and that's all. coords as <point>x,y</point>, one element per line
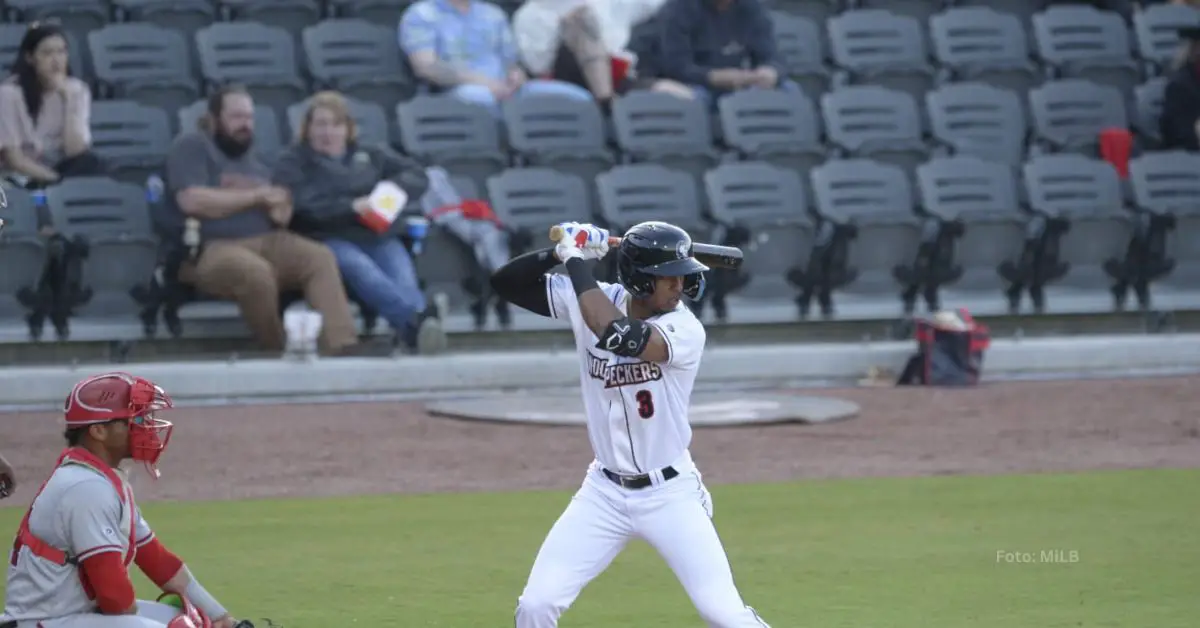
<point>658,249</point>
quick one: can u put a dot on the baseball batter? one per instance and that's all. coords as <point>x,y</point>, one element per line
<point>69,566</point>
<point>640,348</point>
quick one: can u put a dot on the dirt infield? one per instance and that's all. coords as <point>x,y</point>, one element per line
<point>320,450</point>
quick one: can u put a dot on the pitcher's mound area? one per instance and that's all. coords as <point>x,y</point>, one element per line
<point>707,409</point>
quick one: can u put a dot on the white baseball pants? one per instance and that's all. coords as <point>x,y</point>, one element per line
<point>150,615</point>
<point>675,517</point>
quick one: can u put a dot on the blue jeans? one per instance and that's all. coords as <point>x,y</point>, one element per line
<point>480,95</point>
<point>382,276</point>
<point>705,95</point>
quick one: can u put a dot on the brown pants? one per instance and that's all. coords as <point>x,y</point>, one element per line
<point>253,271</point>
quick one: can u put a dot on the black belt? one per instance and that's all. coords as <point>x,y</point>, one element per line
<point>638,481</point>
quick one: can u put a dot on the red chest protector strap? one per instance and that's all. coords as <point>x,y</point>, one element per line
<point>42,549</point>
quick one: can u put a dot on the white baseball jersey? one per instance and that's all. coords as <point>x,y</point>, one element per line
<point>78,511</point>
<point>637,411</point>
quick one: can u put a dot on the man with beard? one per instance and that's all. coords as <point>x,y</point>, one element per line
<point>246,253</point>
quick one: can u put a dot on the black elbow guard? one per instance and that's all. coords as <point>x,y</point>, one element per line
<point>626,337</point>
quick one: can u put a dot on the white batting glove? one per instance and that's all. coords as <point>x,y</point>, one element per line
<point>582,240</point>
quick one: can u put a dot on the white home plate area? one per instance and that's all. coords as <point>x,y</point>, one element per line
<point>708,409</point>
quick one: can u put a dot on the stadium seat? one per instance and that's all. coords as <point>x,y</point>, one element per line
<point>1085,193</point>
<point>565,134</point>
<point>358,58</point>
<point>267,141</point>
<point>800,43</point>
<point>770,202</point>
<point>1069,114</point>
<point>920,10</point>
<point>535,198</point>
<point>1167,184</point>
<point>461,137</point>
<point>261,57</point>
<point>1156,32</point>
<point>291,15</point>
<point>183,16</point>
<point>1021,9</point>
<point>876,199</point>
<point>144,62</point>
<point>22,254</point>
<point>816,11</point>
<point>1149,100</point>
<point>983,196</point>
<point>77,17</point>
<point>875,122</point>
<point>1079,41</point>
<point>131,137</point>
<point>383,12</point>
<point>880,48</point>
<point>10,45</point>
<point>634,193</point>
<point>369,118</point>
<point>114,219</point>
<point>667,130</point>
<point>982,44</point>
<point>979,119</point>
<point>782,128</point>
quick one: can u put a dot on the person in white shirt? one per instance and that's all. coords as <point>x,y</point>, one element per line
<point>587,42</point>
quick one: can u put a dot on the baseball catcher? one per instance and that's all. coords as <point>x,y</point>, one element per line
<point>70,563</point>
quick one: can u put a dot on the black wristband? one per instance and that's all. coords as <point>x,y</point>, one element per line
<point>581,276</point>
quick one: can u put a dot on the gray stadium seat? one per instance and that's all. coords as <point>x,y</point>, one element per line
<point>770,202</point>
<point>385,12</point>
<point>1156,31</point>
<point>1087,193</point>
<point>816,11</point>
<point>800,43</point>
<point>259,56</point>
<point>983,195</point>
<point>565,134</point>
<point>10,44</point>
<point>144,62</point>
<point>291,15</point>
<point>22,252</point>
<point>1080,41</point>
<point>359,59</point>
<point>1168,183</point>
<point>445,259</point>
<point>267,142</point>
<point>1069,114</point>
<point>369,118</point>
<point>979,119</point>
<point>983,44</point>
<point>779,127</point>
<point>79,17</point>
<point>920,10</point>
<point>1149,100</point>
<point>461,137</point>
<point>115,220</point>
<point>634,193</point>
<point>878,199</point>
<point>184,16</point>
<point>881,48</point>
<point>876,122</point>
<point>1022,9</point>
<point>535,198</point>
<point>133,138</point>
<point>671,131</point>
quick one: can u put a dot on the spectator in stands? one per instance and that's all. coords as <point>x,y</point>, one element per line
<point>331,172</point>
<point>586,42</point>
<point>466,48</point>
<point>719,46</point>
<point>44,113</point>
<point>246,254</point>
<point>1179,123</point>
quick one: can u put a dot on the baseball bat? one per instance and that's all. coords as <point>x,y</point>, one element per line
<point>711,255</point>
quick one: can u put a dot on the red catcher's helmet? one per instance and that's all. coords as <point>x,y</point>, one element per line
<point>116,396</point>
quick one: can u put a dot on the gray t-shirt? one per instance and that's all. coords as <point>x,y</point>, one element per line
<point>81,513</point>
<point>195,160</point>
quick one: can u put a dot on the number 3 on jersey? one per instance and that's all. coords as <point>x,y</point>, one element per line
<point>645,402</point>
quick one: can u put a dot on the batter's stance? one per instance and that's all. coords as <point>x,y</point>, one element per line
<point>640,347</point>
<point>69,566</point>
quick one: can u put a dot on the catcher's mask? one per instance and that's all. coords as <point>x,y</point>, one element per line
<point>120,396</point>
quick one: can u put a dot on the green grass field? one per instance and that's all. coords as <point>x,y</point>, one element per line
<point>880,553</point>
